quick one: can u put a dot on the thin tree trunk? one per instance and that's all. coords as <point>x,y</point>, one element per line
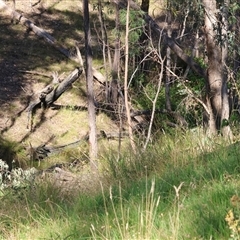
<point>196,45</point>
<point>105,48</point>
<point>154,102</point>
<point>145,6</point>
<point>126,81</point>
<point>116,61</point>
<point>226,130</point>
<point>168,63</point>
<point>90,91</point>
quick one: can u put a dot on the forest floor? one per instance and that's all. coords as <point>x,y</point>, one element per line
<point>26,61</point>
<point>26,66</point>
<point>197,180</point>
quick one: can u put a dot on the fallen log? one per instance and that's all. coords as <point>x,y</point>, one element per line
<point>63,86</point>
<point>43,151</point>
<point>44,34</point>
<point>50,94</point>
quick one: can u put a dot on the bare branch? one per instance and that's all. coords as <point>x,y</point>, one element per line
<point>191,93</point>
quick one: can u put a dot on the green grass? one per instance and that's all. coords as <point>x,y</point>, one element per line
<point>180,188</point>
<point>153,196</point>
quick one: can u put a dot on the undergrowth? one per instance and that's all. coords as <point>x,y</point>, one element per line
<point>183,187</point>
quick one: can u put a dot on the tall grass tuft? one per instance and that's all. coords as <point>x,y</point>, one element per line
<point>129,219</point>
<point>180,188</point>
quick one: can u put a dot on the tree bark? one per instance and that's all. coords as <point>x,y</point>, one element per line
<point>168,63</point>
<point>50,94</point>
<point>114,86</point>
<point>145,5</point>
<point>217,96</point>
<point>226,130</point>
<point>214,72</point>
<point>105,48</point>
<point>126,82</point>
<point>90,91</point>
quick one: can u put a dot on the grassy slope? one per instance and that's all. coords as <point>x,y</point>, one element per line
<point>147,204</point>
<point>187,197</point>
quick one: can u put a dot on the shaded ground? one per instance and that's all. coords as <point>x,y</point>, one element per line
<point>22,51</point>
<point>21,54</point>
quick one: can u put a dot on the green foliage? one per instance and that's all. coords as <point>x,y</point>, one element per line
<point>193,8</point>
<point>146,96</point>
<point>196,83</point>
<point>183,99</point>
<point>15,179</point>
<point>233,9</point>
<point>136,26</point>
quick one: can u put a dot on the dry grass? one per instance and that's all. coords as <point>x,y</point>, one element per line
<point>63,20</point>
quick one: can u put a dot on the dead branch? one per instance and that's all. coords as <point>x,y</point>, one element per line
<point>43,151</point>
<point>63,86</point>
<point>37,73</point>
<point>50,94</point>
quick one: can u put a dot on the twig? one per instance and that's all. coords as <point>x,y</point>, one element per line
<point>36,73</point>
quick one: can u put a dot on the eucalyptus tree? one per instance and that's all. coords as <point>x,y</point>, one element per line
<point>90,90</point>
<point>200,38</point>
<point>210,17</point>
<point>215,30</point>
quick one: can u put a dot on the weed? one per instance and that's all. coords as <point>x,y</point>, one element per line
<point>233,224</point>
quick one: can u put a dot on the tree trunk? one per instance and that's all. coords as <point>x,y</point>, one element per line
<point>90,91</point>
<point>168,63</point>
<point>226,131</point>
<point>214,72</point>
<point>114,87</point>
<point>105,48</point>
<point>145,6</point>
<point>217,96</point>
<point>126,82</point>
